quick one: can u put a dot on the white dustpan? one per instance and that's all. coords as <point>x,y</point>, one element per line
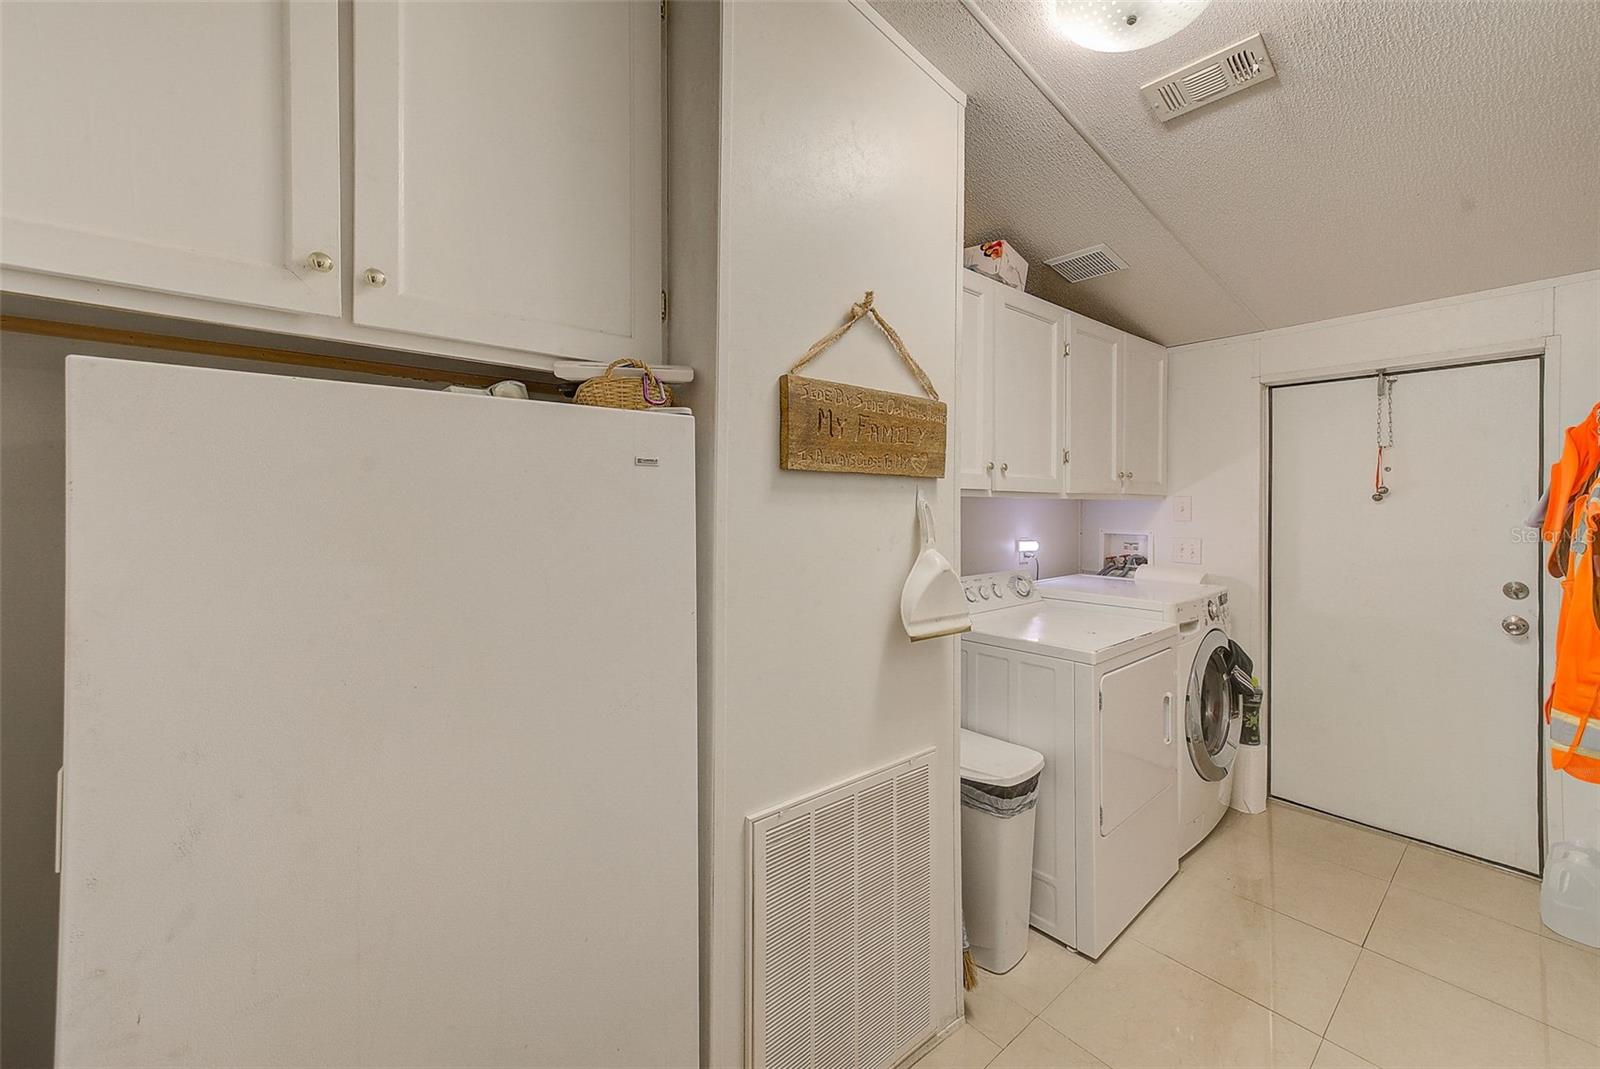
<point>932,604</point>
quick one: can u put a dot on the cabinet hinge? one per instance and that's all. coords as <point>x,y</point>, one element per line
<point>1066,350</point>
<point>663,303</point>
<point>1102,699</point>
<point>663,10</point>
<point>1066,456</point>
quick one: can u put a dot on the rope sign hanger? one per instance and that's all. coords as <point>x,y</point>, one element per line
<point>861,308</point>
<point>837,427</point>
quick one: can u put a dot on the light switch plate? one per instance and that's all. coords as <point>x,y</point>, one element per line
<point>1186,550</point>
<point>1182,509</point>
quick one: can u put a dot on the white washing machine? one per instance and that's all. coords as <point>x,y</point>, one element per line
<point>1093,692</point>
<point>1212,712</point>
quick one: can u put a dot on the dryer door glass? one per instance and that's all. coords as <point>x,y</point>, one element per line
<point>1212,713</point>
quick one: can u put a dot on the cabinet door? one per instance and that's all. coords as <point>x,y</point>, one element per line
<point>974,399</point>
<point>508,174</point>
<point>1029,350</point>
<point>1142,411</point>
<point>1093,463</point>
<point>184,148</point>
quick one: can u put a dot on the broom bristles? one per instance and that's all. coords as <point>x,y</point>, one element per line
<point>969,971</point>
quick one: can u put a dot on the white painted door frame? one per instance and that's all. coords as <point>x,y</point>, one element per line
<point>1548,350</point>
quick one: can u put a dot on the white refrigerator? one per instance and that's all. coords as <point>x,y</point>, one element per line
<point>380,727</point>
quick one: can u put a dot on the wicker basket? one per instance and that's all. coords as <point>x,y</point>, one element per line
<point>611,390</point>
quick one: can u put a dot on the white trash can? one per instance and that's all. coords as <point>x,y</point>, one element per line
<point>999,789</point>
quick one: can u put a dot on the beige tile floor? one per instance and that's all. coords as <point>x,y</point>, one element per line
<point>1292,939</point>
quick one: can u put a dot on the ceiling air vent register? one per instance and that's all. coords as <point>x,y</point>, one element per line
<point>1088,263</point>
<point>1208,80</point>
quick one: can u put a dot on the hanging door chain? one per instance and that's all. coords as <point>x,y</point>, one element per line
<point>1383,429</point>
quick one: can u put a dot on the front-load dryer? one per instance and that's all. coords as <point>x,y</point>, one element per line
<point>1094,693</point>
<point>1212,710</point>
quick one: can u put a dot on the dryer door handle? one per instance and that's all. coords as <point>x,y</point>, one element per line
<point>1166,717</point>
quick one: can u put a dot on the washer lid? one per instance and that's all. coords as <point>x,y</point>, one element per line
<point>996,762</point>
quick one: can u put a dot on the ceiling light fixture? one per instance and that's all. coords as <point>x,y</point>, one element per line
<point>1123,25</point>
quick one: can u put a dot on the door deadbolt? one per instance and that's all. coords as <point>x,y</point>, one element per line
<point>1514,625</point>
<point>1514,590</point>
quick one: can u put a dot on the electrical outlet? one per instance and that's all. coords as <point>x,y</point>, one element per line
<point>1182,509</point>
<point>1186,550</point>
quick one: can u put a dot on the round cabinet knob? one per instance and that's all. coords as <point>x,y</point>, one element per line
<point>1514,625</point>
<point>971,597</point>
<point>989,466</point>
<point>1003,468</point>
<point>375,277</point>
<point>320,262</point>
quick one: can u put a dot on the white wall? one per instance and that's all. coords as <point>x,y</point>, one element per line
<point>1216,453</point>
<point>838,170</point>
<point>990,527</point>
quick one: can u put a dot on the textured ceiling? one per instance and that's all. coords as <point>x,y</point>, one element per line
<point>1406,151</point>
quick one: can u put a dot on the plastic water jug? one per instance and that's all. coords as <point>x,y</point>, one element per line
<point>1569,900</point>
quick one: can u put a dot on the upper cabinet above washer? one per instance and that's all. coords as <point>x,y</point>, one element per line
<point>508,174</point>
<point>1010,405</point>
<point>167,147</point>
<point>1142,416</point>
<point>1117,412</point>
<point>1052,402</point>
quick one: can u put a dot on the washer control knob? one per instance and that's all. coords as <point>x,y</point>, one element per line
<point>1021,585</point>
<point>982,593</point>
<point>970,595</point>
<point>994,586</point>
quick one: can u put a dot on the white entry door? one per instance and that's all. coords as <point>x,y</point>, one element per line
<point>1401,696</point>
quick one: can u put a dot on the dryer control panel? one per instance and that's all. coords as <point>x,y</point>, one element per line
<point>999,590</point>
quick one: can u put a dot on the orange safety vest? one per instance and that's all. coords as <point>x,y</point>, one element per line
<point>1572,527</point>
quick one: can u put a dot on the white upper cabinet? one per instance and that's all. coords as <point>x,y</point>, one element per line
<point>1009,403</point>
<point>1093,463</point>
<point>188,149</point>
<point>185,160</point>
<point>1052,402</point>
<point>1029,352</point>
<point>508,174</point>
<point>1142,411</point>
<point>1117,412</point>
<point>974,409</point>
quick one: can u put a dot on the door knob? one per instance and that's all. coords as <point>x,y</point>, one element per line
<point>375,277</point>
<point>1514,590</point>
<point>320,261</point>
<point>1514,625</point>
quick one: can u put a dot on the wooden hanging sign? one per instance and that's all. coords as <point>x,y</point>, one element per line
<point>837,427</point>
<point>833,426</point>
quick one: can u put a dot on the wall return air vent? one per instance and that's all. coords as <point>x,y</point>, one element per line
<point>1088,263</point>
<point>1208,80</point>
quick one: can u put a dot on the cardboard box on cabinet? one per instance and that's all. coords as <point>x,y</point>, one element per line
<point>999,260</point>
